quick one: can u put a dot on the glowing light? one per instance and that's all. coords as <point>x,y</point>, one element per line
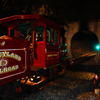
<point>33,83</point>
<point>38,76</point>
<point>66,44</point>
<point>96,76</point>
<point>66,50</point>
<point>32,79</point>
<point>98,47</point>
<point>24,48</point>
<point>33,75</point>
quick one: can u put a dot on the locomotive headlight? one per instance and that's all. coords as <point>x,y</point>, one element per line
<point>38,77</point>
<point>31,79</point>
<point>33,75</point>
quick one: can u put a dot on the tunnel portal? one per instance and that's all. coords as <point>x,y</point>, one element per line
<point>83,42</point>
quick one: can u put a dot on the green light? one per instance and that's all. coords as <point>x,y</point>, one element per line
<point>98,47</point>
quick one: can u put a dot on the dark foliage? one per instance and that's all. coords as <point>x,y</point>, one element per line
<point>58,10</point>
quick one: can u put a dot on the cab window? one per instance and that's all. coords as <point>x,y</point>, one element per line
<point>40,33</point>
<point>55,37</point>
<point>49,35</point>
<point>12,32</point>
<point>3,30</point>
<point>25,31</point>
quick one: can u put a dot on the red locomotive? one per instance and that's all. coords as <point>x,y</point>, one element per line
<point>31,48</point>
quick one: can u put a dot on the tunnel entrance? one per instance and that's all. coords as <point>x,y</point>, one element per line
<point>83,42</point>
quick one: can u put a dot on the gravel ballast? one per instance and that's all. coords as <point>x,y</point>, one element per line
<point>75,83</point>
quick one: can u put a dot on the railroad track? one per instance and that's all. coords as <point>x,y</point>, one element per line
<point>83,58</point>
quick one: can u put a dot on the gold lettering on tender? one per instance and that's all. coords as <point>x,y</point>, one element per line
<point>52,55</point>
<point>16,66</point>
<point>13,67</point>
<point>16,56</point>
<point>0,63</point>
<point>9,68</point>
<point>12,55</point>
<point>1,71</point>
<point>19,58</point>
<point>0,54</point>
<point>3,54</point>
<point>5,70</point>
<point>8,55</point>
<point>49,55</point>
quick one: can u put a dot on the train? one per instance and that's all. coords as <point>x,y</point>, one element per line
<point>31,46</point>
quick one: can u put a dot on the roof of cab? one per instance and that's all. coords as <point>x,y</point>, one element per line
<point>15,18</point>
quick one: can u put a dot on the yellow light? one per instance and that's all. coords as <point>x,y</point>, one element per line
<point>33,83</point>
<point>33,75</point>
<point>32,79</point>
<point>38,76</point>
<point>24,48</point>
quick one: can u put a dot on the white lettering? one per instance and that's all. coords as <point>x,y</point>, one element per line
<point>8,55</point>
<point>12,55</point>
<point>5,70</point>
<point>1,71</point>
<point>16,66</point>
<point>13,67</point>
<point>4,54</point>
<point>0,54</point>
<point>16,56</point>
<point>8,69</point>
<point>19,58</point>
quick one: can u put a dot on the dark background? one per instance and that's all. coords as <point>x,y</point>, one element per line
<point>58,10</point>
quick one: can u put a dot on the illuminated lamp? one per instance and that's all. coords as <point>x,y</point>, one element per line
<point>98,47</point>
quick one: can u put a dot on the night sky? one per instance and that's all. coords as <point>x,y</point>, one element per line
<point>63,9</point>
<point>84,9</point>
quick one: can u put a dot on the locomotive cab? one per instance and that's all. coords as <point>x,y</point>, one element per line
<point>47,47</point>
